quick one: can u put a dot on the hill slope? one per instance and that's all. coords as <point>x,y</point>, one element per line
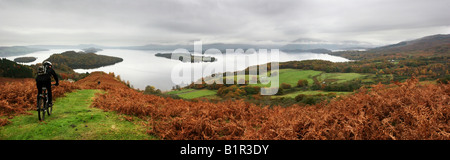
<point>436,43</point>
<point>12,69</point>
<point>430,46</point>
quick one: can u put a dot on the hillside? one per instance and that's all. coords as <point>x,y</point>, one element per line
<point>398,111</point>
<point>436,43</point>
<point>77,60</point>
<point>12,69</point>
<point>430,46</point>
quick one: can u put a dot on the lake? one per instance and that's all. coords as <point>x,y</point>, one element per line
<point>142,67</point>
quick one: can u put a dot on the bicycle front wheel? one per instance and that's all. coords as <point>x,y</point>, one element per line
<point>49,109</point>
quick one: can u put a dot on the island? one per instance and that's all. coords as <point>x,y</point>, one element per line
<point>193,59</point>
<point>24,59</point>
<point>82,60</point>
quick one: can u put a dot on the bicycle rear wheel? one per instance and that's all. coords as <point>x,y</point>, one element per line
<point>41,109</point>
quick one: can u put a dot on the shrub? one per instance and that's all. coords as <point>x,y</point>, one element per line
<point>444,80</point>
<point>285,86</point>
<point>310,100</point>
<point>299,97</point>
<point>302,83</point>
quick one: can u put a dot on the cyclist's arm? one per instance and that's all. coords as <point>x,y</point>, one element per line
<point>53,73</point>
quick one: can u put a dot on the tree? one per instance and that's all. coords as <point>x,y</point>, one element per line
<point>149,90</point>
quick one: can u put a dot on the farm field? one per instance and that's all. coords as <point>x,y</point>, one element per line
<point>291,77</point>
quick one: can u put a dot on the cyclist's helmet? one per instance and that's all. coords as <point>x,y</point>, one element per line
<point>47,63</point>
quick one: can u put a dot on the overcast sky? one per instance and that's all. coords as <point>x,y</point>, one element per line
<point>139,22</point>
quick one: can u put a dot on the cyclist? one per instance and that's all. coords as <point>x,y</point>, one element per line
<point>43,79</point>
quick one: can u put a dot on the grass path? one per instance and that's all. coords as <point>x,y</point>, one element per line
<point>73,119</point>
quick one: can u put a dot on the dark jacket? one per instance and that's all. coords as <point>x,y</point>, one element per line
<point>47,77</point>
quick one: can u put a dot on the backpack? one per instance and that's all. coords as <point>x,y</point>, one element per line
<point>42,70</point>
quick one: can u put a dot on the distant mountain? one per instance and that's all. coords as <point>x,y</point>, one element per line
<point>91,50</point>
<point>314,44</point>
<point>17,51</point>
<point>309,40</point>
<point>299,45</point>
<point>155,47</point>
<point>220,46</point>
<point>320,50</point>
<point>329,46</point>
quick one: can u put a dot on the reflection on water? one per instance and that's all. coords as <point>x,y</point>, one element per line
<point>143,68</point>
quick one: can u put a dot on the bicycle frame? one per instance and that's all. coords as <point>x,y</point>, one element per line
<point>44,107</point>
<point>44,95</point>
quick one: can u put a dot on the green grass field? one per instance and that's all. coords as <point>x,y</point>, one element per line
<point>180,91</point>
<point>197,94</point>
<point>290,76</point>
<point>73,119</point>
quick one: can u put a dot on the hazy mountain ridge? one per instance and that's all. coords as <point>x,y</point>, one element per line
<point>293,47</point>
<point>17,50</point>
<point>435,43</point>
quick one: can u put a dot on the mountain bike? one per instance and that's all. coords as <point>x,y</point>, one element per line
<point>43,106</point>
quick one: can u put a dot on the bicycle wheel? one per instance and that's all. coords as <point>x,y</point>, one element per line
<point>41,111</point>
<point>49,109</point>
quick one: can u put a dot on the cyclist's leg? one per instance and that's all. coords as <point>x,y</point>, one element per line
<point>39,87</point>
<point>49,91</point>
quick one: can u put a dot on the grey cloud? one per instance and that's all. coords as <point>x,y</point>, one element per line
<point>138,22</point>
